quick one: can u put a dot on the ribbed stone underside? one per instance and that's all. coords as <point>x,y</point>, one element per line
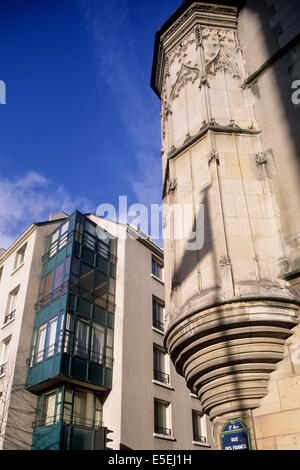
<point>227,352</point>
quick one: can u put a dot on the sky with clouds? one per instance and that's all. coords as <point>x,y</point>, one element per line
<point>80,126</point>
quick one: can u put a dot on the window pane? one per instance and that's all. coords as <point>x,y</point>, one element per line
<point>81,340</point>
<point>67,268</point>
<point>50,338</point>
<point>40,343</point>
<point>63,235</point>
<point>97,343</point>
<point>83,408</point>
<point>48,284</point>
<point>86,280</point>
<point>90,228</point>
<point>4,352</point>
<point>160,415</point>
<point>100,291</point>
<point>53,244</point>
<point>58,276</point>
<point>109,339</point>
<point>12,302</point>
<point>48,411</point>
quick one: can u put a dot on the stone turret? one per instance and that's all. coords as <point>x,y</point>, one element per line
<point>229,312</point>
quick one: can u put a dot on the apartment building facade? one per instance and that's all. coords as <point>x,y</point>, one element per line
<point>84,350</point>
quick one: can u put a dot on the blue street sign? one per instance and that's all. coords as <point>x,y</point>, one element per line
<point>235,436</point>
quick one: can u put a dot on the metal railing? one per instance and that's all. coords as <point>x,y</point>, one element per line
<point>72,350</point>
<point>198,438</point>
<point>86,239</point>
<point>57,245</point>
<point>158,324</point>
<point>65,418</point>
<point>9,316</point>
<point>164,431</point>
<point>43,354</point>
<point>74,289</point>
<point>161,376</point>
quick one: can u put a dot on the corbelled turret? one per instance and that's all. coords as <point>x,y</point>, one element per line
<point>228,310</point>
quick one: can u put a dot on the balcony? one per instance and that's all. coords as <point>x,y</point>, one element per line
<point>73,289</point>
<point>73,361</point>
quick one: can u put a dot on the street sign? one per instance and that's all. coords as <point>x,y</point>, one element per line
<point>235,436</point>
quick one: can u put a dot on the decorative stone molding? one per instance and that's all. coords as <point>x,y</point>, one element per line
<point>213,156</point>
<point>186,74</point>
<point>198,36</point>
<point>222,61</point>
<point>178,51</point>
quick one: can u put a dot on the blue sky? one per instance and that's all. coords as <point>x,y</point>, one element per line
<point>81,124</point>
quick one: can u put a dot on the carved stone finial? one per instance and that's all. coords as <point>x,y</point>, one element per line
<point>213,122</point>
<point>261,158</point>
<point>224,261</point>
<point>187,138</point>
<point>172,185</point>
<point>204,125</point>
<point>172,150</point>
<point>213,156</point>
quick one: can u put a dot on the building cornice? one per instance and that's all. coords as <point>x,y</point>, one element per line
<point>18,242</point>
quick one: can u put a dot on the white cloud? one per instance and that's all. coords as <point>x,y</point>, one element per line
<point>31,198</point>
<point>114,45</point>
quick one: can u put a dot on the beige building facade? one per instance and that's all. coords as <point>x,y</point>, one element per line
<point>61,386</point>
<point>230,147</point>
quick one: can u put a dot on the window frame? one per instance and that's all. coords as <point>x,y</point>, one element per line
<point>199,427</point>
<point>159,430</point>
<point>20,254</point>
<point>161,372</point>
<point>156,262</point>
<point>158,323</point>
<point>11,305</point>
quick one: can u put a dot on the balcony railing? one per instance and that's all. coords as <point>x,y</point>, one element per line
<point>72,350</point>
<point>198,438</point>
<point>3,368</point>
<point>9,316</point>
<point>93,243</point>
<point>161,376</point>
<point>74,289</point>
<point>76,420</point>
<point>60,290</point>
<point>164,431</point>
<point>57,245</point>
<point>158,324</point>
